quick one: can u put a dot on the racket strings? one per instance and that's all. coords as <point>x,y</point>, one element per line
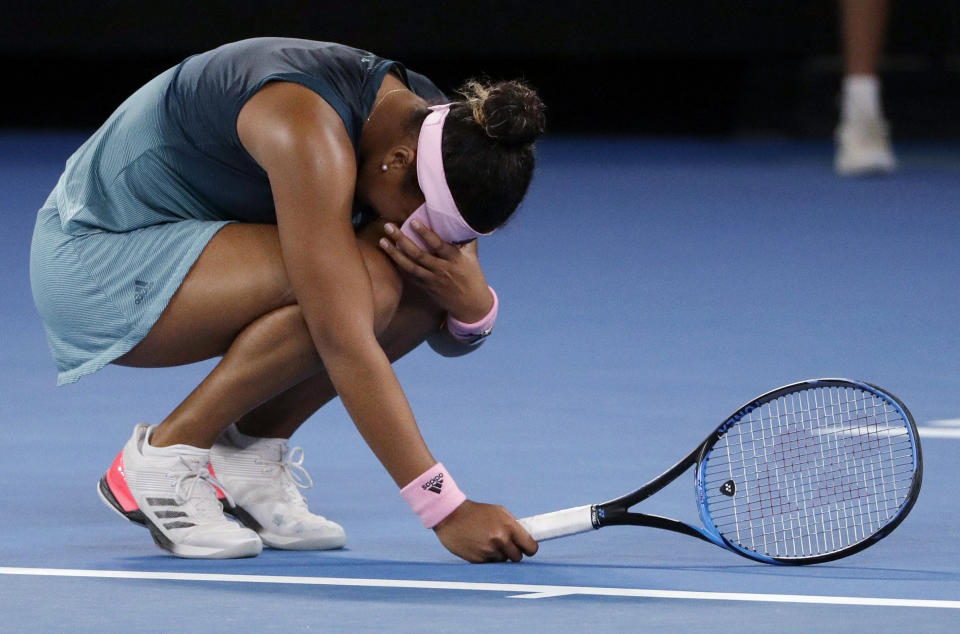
<point>810,472</point>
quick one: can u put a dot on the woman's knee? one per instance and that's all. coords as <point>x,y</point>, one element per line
<point>386,282</point>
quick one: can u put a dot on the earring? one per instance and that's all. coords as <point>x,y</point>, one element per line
<point>384,168</point>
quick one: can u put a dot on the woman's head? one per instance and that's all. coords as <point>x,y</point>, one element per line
<point>488,151</point>
<point>477,151</point>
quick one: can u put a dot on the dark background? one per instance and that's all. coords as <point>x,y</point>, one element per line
<point>646,66</point>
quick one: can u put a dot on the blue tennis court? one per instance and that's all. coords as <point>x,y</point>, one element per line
<point>649,287</point>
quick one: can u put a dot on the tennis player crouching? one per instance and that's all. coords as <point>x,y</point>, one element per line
<point>271,202</point>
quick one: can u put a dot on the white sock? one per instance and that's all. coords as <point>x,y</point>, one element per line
<point>243,441</point>
<point>170,450</point>
<point>861,97</point>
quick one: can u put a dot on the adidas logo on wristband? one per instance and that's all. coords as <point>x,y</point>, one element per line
<point>435,484</point>
<point>434,495</point>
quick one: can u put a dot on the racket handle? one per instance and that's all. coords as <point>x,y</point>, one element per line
<point>559,523</point>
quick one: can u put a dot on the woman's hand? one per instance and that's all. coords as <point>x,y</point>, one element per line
<point>451,275</point>
<point>482,533</point>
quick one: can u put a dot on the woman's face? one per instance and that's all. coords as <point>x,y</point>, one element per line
<point>385,191</point>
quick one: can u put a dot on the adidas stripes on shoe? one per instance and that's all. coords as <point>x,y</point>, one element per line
<point>171,491</point>
<point>264,479</point>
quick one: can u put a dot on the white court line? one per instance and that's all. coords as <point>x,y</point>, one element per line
<point>525,591</point>
<point>938,432</point>
<point>943,428</point>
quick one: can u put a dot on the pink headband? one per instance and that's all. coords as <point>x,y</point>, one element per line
<point>439,212</point>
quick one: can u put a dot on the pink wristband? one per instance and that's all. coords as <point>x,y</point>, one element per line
<point>433,496</point>
<point>471,333</point>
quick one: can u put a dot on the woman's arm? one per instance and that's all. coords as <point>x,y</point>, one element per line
<point>299,140</point>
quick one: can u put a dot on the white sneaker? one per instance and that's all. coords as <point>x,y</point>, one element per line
<point>264,480</point>
<point>863,147</point>
<point>171,491</point>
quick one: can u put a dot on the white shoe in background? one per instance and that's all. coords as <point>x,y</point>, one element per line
<point>863,147</point>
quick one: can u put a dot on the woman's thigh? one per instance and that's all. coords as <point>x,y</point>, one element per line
<point>238,278</point>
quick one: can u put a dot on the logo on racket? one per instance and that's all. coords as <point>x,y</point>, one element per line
<point>435,484</point>
<point>728,488</point>
<point>596,515</point>
<point>733,420</point>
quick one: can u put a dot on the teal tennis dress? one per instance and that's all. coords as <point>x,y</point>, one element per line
<point>142,197</point>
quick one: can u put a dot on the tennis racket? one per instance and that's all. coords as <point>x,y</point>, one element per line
<point>810,472</point>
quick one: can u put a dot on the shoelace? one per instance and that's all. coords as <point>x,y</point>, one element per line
<point>185,492</point>
<point>292,464</point>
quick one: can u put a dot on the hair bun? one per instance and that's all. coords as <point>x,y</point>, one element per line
<point>510,112</point>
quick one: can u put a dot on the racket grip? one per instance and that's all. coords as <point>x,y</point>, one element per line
<point>559,523</point>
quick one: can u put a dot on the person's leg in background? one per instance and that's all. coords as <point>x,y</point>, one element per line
<point>863,136</point>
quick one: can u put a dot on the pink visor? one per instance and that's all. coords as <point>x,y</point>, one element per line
<point>439,212</point>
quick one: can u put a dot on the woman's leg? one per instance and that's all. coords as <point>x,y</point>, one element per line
<point>237,301</point>
<point>282,415</point>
